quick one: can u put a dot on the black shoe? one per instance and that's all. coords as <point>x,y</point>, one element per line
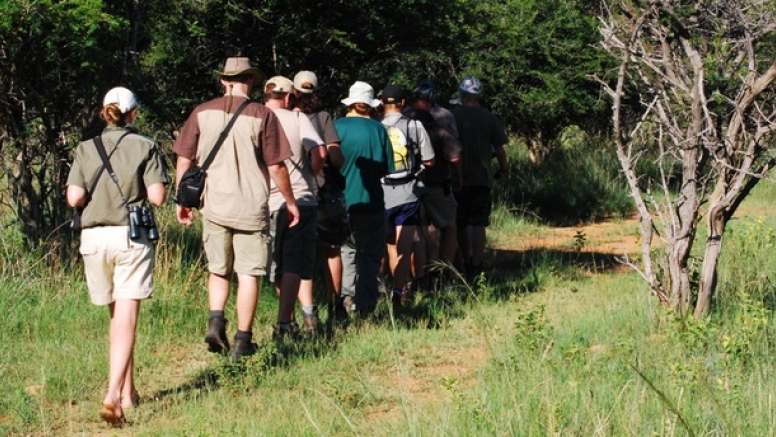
<point>243,348</point>
<point>215,337</point>
<point>283,332</point>
<point>397,300</point>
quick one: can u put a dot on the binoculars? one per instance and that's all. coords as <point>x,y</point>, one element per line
<point>141,221</point>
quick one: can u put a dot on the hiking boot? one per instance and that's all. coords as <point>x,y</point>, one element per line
<point>347,306</point>
<point>243,347</point>
<point>397,300</point>
<point>215,337</point>
<point>282,332</point>
<point>310,321</point>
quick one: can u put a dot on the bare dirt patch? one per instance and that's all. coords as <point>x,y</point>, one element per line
<point>610,237</point>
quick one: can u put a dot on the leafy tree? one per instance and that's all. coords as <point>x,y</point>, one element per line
<point>57,58</point>
<point>536,59</point>
<point>703,73</point>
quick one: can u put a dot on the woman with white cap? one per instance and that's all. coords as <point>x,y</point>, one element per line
<point>118,261</point>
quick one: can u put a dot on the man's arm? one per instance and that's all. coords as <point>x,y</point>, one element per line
<point>501,157</point>
<point>184,215</point>
<point>335,155</point>
<point>279,174</point>
<point>317,159</point>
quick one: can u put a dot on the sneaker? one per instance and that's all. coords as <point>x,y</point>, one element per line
<point>310,321</point>
<point>215,337</point>
<point>243,347</point>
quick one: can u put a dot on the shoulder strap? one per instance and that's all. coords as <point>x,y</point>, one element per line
<point>101,151</point>
<point>413,144</point>
<point>222,137</point>
<point>106,163</point>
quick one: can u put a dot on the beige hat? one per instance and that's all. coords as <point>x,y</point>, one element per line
<point>306,82</point>
<point>281,84</point>
<point>240,66</point>
<point>361,92</point>
<point>121,97</point>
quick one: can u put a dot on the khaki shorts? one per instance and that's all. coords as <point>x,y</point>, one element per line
<point>440,208</point>
<point>116,267</point>
<point>232,250</point>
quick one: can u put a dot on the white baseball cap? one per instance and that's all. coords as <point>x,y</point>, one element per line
<point>122,97</point>
<point>306,82</point>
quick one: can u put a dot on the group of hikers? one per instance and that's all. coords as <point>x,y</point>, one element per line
<point>395,185</point>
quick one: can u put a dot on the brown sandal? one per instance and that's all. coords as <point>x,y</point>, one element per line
<point>112,414</point>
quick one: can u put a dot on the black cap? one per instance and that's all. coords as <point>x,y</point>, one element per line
<point>392,94</point>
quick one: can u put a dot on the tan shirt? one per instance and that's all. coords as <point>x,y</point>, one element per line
<point>303,138</point>
<point>237,184</point>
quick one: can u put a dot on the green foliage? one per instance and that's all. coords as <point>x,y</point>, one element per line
<point>58,57</point>
<point>585,163</point>
<point>536,58</point>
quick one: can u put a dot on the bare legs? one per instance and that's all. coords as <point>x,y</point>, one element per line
<point>247,297</point>
<point>399,256</point>
<point>121,384</point>
<point>333,273</point>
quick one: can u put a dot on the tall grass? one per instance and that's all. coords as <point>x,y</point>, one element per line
<point>550,346</point>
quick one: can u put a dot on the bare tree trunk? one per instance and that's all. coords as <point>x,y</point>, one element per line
<point>721,134</point>
<point>708,279</point>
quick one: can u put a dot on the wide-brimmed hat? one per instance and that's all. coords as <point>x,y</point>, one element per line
<point>280,84</point>
<point>121,97</point>
<point>305,82</point>
<point>239,66</point>
<point>361,92</point>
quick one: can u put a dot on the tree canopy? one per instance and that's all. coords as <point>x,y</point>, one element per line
<point>59,57</point>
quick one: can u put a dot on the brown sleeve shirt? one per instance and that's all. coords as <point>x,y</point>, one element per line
<point>237,185</point>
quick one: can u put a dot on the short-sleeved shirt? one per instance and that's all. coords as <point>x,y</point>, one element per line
<point>446,147</point>
<point>324,124</point>
<point>237,186</point>
<point>480,132</point>
<point>444,117</point>
<point>138,164</point>
<point>367,150</point>
<point>303,138</point>
<point>399,194</point>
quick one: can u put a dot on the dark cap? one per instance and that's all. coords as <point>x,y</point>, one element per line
<point>424,90</point>
<point>392,94</point>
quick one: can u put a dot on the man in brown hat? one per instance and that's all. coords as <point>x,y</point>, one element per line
<point>235,211</point>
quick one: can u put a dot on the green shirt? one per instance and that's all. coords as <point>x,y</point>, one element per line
<point>368,156</point>
<point>138,163</point>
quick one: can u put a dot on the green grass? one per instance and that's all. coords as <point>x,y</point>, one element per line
<point>549,345</point>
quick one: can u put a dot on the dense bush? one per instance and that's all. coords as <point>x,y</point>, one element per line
<point>578,182</point>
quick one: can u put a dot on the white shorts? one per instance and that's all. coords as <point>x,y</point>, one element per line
<point>116,267</point>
